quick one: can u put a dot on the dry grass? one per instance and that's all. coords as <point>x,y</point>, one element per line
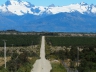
<point>2,60</point>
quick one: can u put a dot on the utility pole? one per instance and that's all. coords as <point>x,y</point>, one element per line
<point>77,56</point>
<point>5,52</point>
<point>12,45</point>
<point>32,44</point>
<point>12,50</point>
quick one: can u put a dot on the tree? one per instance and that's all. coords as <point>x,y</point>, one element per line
<point>23,57</point>
<point>73,53</point>
<point>14,56</point>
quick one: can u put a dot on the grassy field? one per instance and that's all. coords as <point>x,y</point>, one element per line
<point>57,67</point>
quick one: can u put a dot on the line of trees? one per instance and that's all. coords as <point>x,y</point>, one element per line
<point>71,41</point>
<point>19,40</point>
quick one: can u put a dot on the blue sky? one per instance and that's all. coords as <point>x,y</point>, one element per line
<point>55,2</point>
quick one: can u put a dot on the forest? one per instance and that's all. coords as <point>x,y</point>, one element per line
<point>79,51</point>
<point>71,41</point>
<point>19,40</point>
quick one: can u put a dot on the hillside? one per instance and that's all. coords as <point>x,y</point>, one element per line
<point>24,16</point>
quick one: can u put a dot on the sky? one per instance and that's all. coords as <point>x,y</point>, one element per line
<point>55,2</point>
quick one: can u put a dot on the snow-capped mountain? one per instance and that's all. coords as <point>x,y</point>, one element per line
<point>24,16</point>
<point>20,7</point>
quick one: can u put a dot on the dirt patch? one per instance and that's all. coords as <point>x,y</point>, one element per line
<point>55,61</point>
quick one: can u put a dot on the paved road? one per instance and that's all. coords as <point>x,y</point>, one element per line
<point>42,65</point>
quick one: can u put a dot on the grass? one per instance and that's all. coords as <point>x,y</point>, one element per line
<point>28,66</point>
<point>2,60</point>
<point>57,67</point>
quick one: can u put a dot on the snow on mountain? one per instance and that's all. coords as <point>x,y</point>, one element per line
<point>70,8</point>
<point>20,7</point>
<point>93,9</point>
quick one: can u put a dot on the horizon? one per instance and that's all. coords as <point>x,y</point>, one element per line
<point>55,2</point>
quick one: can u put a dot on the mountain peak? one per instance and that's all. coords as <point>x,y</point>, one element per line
<point>18,2</point>
<point>83,3</point>
<point>52,5</point>
<point>8,2</point>
<point>20,7</point>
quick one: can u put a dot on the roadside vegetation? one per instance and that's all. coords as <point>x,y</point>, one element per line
<point>55,62</point>
<point>22,55</point>
<point>57,67</point>
<point>74,53</point>
<point>20,62</point>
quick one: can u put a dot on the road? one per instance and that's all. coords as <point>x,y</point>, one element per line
<point>42,65</point>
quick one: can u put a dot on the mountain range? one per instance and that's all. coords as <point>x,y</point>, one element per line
<point>24,16</point>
